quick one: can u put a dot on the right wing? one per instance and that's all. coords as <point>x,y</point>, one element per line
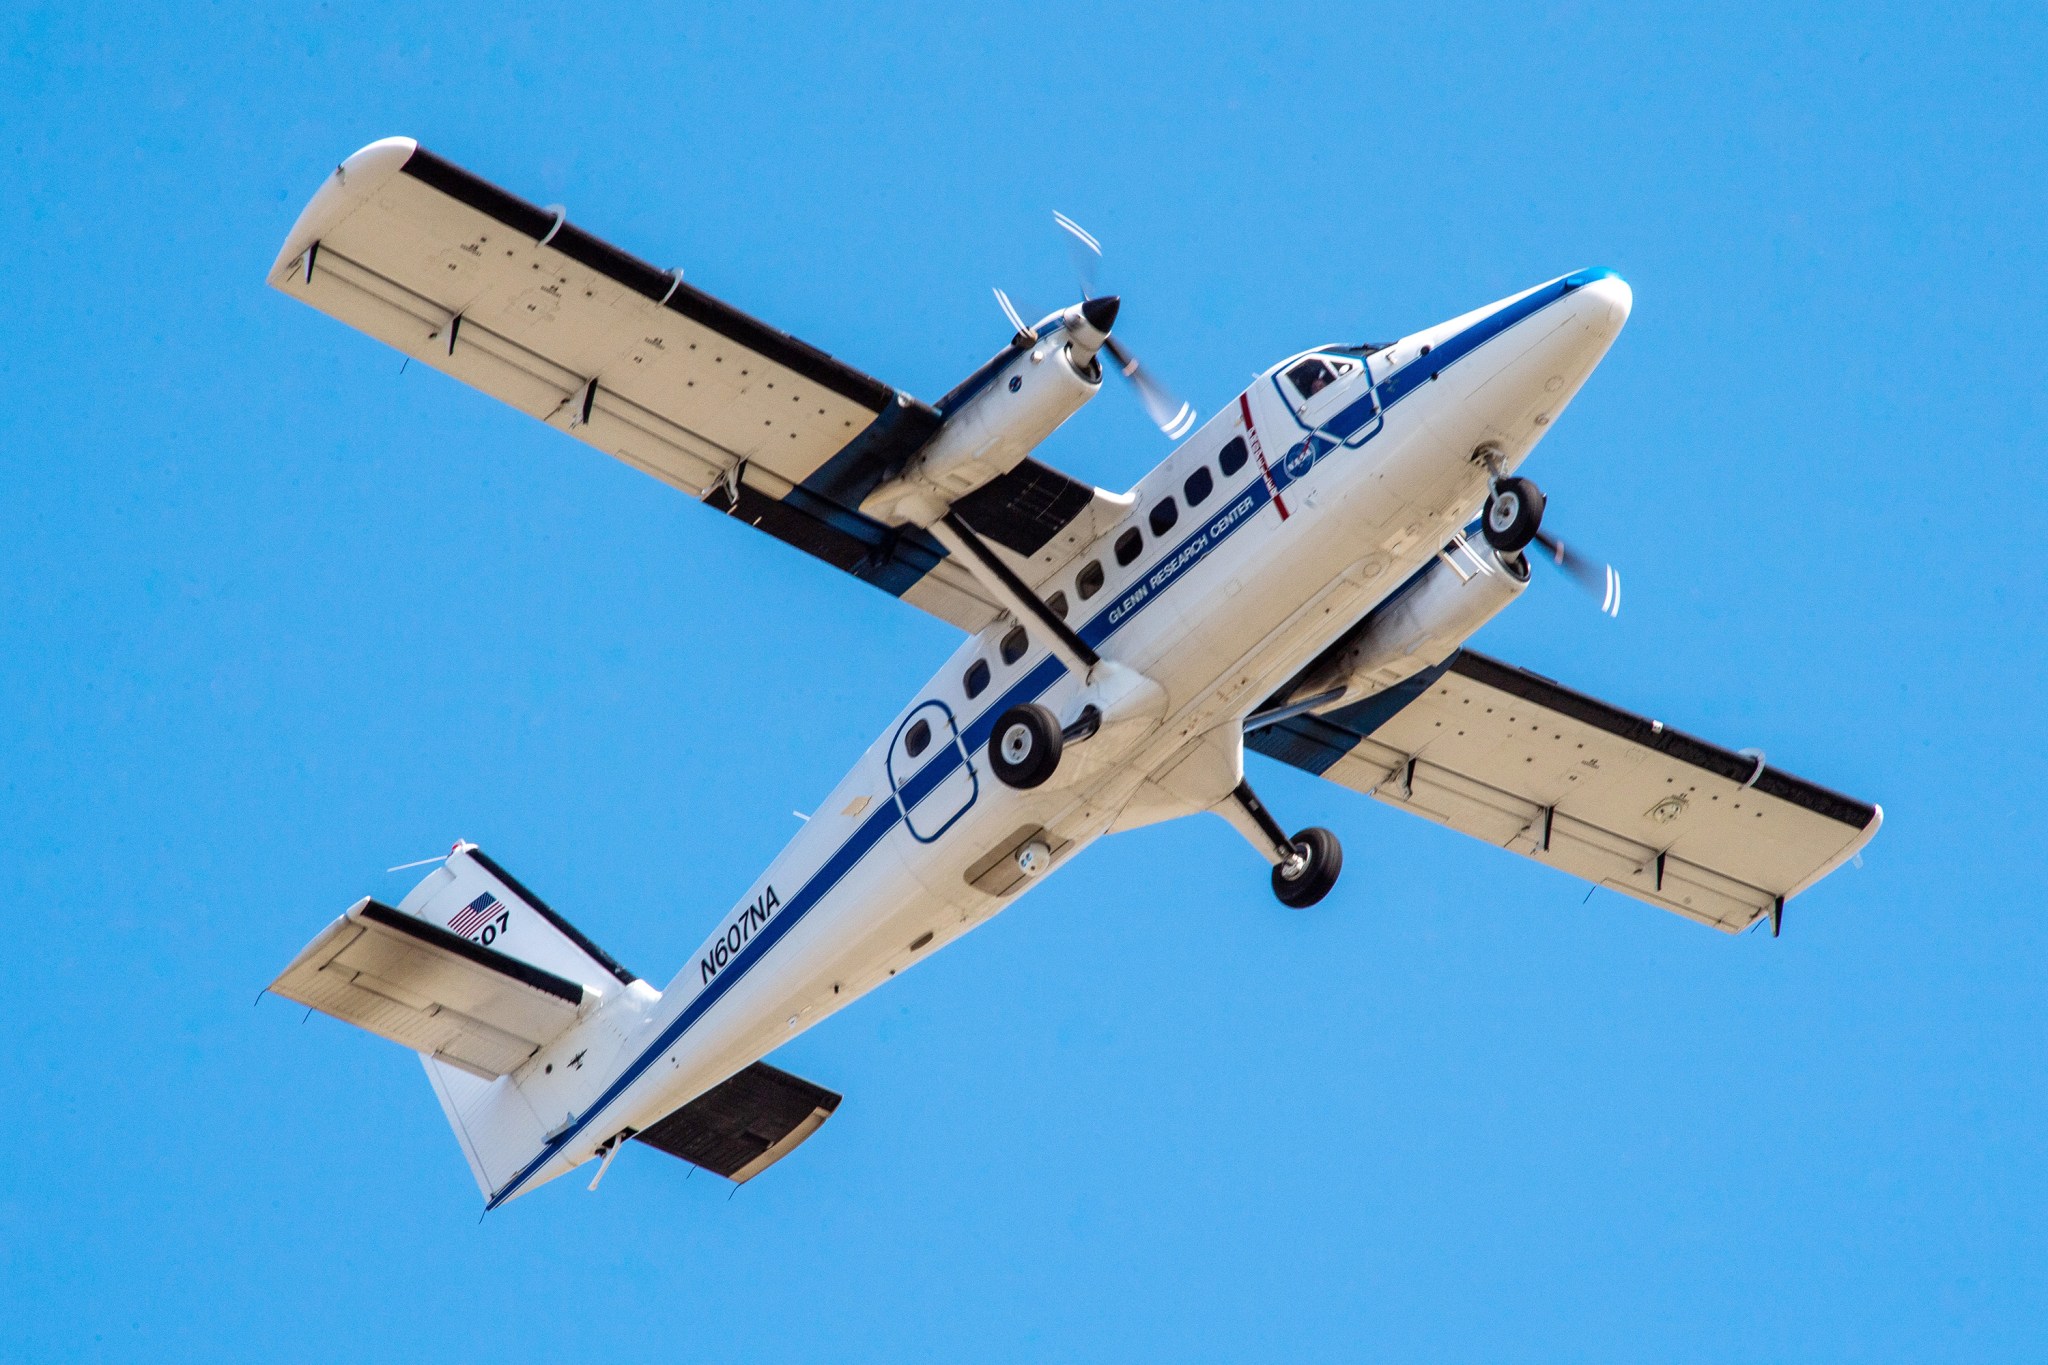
<point>516,301</point>
<point>1620,800</point>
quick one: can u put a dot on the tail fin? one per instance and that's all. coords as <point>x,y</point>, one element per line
<point>492,1120</point>
<point>473,898</point>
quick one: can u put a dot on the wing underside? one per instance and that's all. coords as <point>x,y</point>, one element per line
<point>514,300</point>
<point>1619,800</point>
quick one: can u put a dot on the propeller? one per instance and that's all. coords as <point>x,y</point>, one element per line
<point>1597,577</point>
<point>1513,502</point>
<point>1168,413</point>
<point>1083,249</point>
<point>1024,334</point>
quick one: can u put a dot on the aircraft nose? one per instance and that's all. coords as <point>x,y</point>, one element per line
<point>1601,289</point>
<point>1517,400</point>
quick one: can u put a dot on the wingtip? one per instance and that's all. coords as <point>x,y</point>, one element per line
<point>352,181</point>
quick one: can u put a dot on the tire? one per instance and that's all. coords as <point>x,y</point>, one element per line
<point>1513,514</point>
<point>1024,748</point>
<point>1325,859</point>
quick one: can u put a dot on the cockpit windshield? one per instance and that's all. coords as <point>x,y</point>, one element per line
<point>1311,377</point>
<point>1316,373</point>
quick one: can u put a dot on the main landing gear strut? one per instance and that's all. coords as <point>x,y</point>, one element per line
<point>1304,867</point>
<point>1025,747</point>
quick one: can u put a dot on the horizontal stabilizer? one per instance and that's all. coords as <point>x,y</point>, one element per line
<point>420,985</point>
<point>744,1125</point>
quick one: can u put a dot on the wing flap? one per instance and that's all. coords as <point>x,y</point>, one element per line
<point>1619,800</point>
<point>423,987</point>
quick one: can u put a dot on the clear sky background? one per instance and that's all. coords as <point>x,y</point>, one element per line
<point>275,616</point>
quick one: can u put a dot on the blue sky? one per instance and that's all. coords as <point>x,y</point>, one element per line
<point>274,616</point>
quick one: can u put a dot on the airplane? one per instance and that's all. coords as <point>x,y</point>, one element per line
<point>1299,578</point>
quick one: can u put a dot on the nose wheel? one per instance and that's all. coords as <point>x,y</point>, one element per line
<point>1514,513</point>
<point>1026,745</point>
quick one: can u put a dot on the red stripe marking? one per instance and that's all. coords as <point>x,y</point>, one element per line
<point>1244,407</point>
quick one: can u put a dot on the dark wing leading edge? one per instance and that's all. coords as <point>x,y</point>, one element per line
<point>514,300</point>
<point>1624,802</point>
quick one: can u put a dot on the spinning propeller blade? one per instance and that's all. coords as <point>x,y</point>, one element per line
<point>1016,319</point>
<point>1598,578</point>
<point>1084,249</point>
<point>1168,413</point>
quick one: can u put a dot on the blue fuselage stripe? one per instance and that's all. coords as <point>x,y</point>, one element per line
<point>1451,350</point>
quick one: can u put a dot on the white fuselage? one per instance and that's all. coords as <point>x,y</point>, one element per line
<point>1359,485</point>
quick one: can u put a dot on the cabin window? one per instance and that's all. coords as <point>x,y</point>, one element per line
<point>1164,516</point>
<point>1232,457</point>
<point>1014,644</point>
<point>1198,485</point>
<point>1128,544</point>
<point>918,740</point>
<point>1310,377</point>
<point>1057,605</point>
<point>1089,581</point>
<point>976,681</point>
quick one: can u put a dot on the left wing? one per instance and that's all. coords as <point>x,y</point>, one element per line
<point>516,301</point>
<point>1620,800</point>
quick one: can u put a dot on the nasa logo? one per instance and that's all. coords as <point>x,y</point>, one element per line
<point>1300,459</point>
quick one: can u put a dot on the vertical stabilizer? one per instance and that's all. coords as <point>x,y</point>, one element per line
<point>495,1126</point>
<point>472,897</point>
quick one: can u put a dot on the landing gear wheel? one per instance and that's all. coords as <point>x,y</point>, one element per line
<point>1513,514</point>
<point>1321,858</point>
<point>1024,748</point>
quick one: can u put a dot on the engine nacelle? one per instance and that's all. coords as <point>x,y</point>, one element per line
<point>1025,400</point>
<point>1422,625</point>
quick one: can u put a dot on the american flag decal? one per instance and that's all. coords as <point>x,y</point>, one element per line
<point>476,915</point>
